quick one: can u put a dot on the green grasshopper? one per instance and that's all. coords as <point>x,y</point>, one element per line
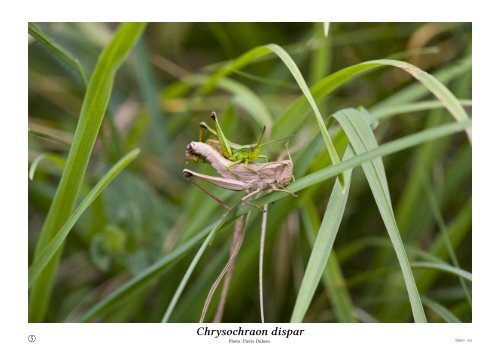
<point>230,150</point>
<point>260,177</point>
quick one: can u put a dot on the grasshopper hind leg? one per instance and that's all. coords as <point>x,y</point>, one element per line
<point>190,177</point>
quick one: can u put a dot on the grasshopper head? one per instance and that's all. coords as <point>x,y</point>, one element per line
<point>285,173</point>
<point>192,154</point>
<point>254,151</point>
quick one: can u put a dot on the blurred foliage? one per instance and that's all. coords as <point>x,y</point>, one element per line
<point>150,209</point>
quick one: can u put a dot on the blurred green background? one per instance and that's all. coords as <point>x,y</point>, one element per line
<point>150,209</point>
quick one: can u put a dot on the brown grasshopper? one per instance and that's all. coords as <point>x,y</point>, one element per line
<point>261,177</point>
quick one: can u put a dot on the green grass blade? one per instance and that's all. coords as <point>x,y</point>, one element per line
<point>292,67</point>
<point>417,90</point>
<point>413,107</point>
<point>89,122</point>
<point>326,27</point>
<point>58,240</point>
<point>440,310</point>
<point>57,50</point>
<point>60,162</point>
<point>40,132</point>
<point>441,92</point>
<point>362,139</point>
<point>293,118</point>
<point>323,245</point>
<point>444,267</point>
<point>333,278</point>
<point>191,268</point>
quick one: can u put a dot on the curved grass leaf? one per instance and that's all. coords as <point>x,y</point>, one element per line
<point>323,244</point>
<point>58,240</point>
<point>292,67</point>
<point>43,133</point>
<point>58,51</point>
<point>441,92</point>
<point>294,117</point>
<point>444,267</point>
<point>440,310</point>
<point>89,122</point>
<point>60,162</point>
<point>362,139</point>
<point>417,90</point>
<point>413,107</point>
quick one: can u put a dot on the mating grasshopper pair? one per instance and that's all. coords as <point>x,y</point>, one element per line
<point>234,165</point>
<point>230,150</point>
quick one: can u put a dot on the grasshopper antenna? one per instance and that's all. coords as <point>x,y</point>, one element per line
<point>290,158</point>
<point>279,139</point>
<point>261,136</point>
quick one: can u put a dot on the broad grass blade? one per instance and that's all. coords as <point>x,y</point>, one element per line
<point>58,51</point>
<point>362,139</point>
<point>58,240</point>
<point>91,115</point>
<point>323,244</point>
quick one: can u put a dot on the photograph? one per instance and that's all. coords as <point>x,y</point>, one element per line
<point>249,172</point>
